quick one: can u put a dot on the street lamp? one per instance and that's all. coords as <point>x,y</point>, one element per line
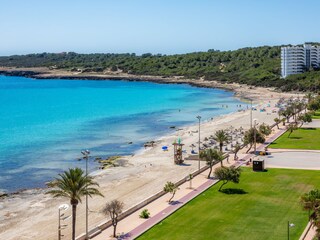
<point>62,217</point>
<point>255,123</point>
<point>290,225</point>
<point>251,114</point>
<point>86,156</point>
<point>199,118</point>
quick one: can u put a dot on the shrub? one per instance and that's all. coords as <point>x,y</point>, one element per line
<point>144,214</point>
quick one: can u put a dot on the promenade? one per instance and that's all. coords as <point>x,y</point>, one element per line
<point>133,226</point>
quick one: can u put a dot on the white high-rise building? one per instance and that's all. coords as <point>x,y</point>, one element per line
<point>298,59</point>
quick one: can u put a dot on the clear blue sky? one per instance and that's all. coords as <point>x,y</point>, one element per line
<point>156,26</point>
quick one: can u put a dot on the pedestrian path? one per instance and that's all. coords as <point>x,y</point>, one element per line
<point>174,206</point>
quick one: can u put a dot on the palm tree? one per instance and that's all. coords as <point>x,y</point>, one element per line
<point>291,127</point>
<point>219,157</point>
<point>74,184</point>
<point>277,121</point>
<point>287,113</point>
<point>311,202</point>
<point>236,149</point>
<point>221,136</point>
<point>253,136</point>
<point>265,129</point>
<point>210,156</point>
<point>170,187</point>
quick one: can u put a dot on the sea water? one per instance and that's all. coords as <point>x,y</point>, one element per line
<point>44,124</point>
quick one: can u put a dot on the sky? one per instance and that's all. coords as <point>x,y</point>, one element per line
<point>155,26</point>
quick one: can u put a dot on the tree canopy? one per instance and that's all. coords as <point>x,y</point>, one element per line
<point>227,174</point>
<point>259,66</point>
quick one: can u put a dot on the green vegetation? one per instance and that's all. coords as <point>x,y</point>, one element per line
<point>222,137</point>
<point>316,115</point>
<point>253,136</point>
<point>268,201</point>
<point>227,174</point>
<point>170,187</point>
<point>74,184</point>
<point>144,214</point>
<point>211,156</point>
<point>302,138</point>
<point>259,66</point>
<point>311,202</point>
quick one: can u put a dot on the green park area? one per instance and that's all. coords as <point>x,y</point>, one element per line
<point>316,115</point>
<point>302,138</point>
<point>259,207</point>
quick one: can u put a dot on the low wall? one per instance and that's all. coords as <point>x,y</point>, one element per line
<point>306,231</point>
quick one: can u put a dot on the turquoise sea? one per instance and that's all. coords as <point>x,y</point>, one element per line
<point>44,124</point>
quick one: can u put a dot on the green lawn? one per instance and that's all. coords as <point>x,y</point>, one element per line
<point>302,138</point>
<point>316,115</point>
<point>271,200</point>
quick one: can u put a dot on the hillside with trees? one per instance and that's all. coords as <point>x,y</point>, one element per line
<point>259,66</point>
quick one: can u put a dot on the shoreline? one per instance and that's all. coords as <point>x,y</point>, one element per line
<point>146,173</point>
<point>43,73</point>
<point>39,75</point>
<point>141,150</point>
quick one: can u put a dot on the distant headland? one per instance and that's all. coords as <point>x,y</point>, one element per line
<point>258,66</point>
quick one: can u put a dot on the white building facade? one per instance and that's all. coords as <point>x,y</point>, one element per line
<point>298,59</point>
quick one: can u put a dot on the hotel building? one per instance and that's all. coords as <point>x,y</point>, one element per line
<point>298,59</point>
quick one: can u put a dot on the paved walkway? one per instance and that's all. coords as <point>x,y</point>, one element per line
<point>169,210</point>
<point>314,124</point>
<point>293,159</point>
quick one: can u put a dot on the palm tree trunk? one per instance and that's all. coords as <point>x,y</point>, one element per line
<point>172,196</point>
<point>249,148</point>
<point>74,212</point>
<point>224,183</point>
<point>210,171</point>
<point>221,145</point>
<point>115,230</point>
<point>221,162</point>
<point>114,219</point>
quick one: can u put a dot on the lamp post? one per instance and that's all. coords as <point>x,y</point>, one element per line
<point>199,118</point>
<point>290,225</point>
<point>255,134</point>
<point>251,114</point>
<point>189,178</point>
<point>62,207</point>
<point>85,154</point>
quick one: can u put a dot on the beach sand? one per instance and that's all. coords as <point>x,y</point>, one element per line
<point>33,215</point>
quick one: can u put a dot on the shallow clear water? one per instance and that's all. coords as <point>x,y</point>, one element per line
<point>44,124</point>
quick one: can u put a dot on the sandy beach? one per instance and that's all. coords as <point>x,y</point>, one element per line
<point>33,215</point>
